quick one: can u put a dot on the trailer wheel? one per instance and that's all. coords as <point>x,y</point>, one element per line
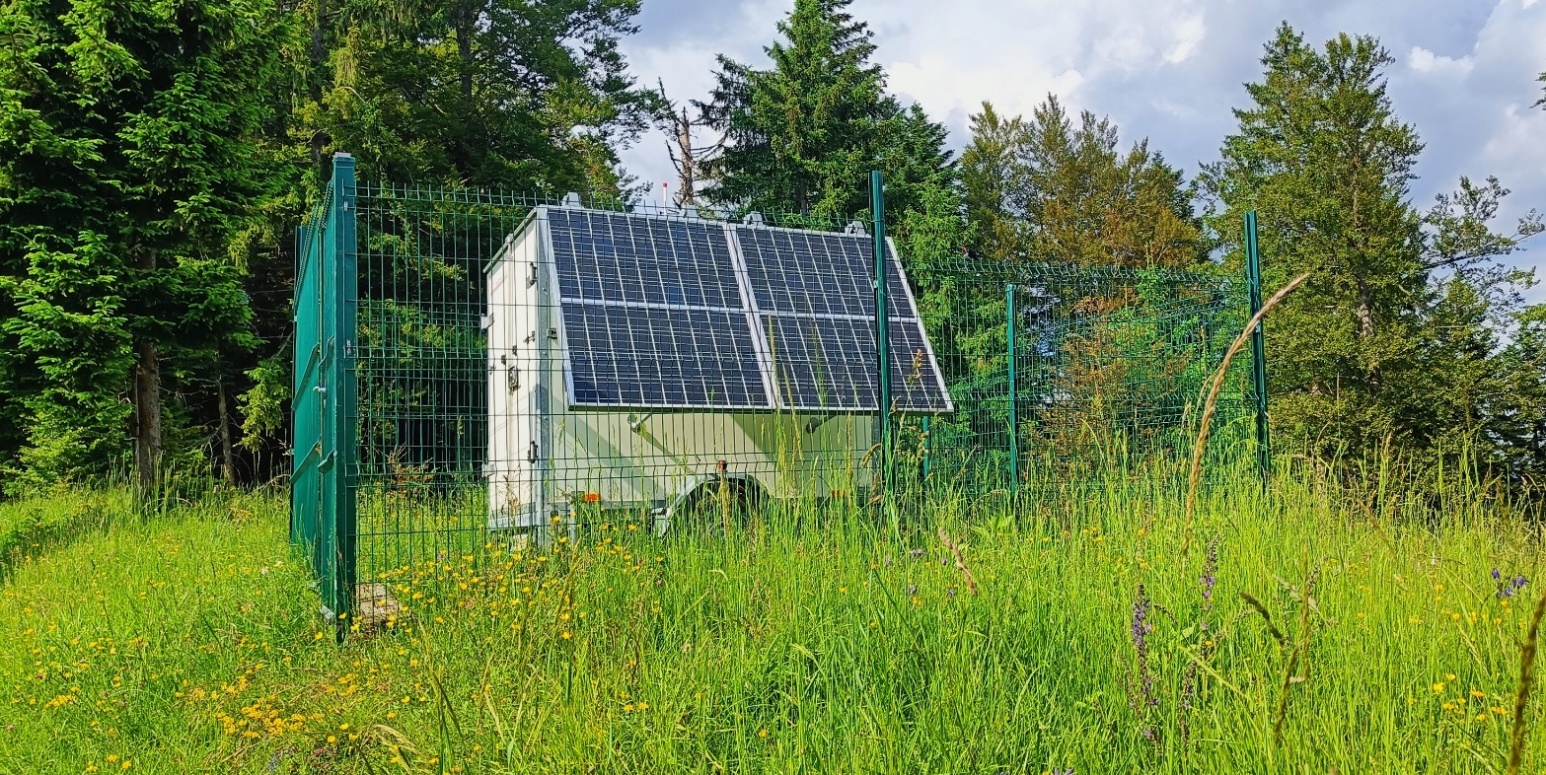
<point>716,509</point>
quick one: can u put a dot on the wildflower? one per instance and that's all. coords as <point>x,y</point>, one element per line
<point>912,590</point>
<point>888,561</point>
<point>951,592</point>
<point>762,732</point>
<point>916,553</point>
<point>1438,688</point>
<point>1496,575</point>
<point>1210,565</point>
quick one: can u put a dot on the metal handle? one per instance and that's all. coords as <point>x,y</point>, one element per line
<point>531,453</point>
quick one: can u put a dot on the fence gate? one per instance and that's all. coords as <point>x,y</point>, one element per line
<point>322,509</point>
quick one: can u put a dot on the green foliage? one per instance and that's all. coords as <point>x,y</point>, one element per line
<point>1390,342</point>
<point>527,96</point>
<point>804,135</point>
<point>126,165</point>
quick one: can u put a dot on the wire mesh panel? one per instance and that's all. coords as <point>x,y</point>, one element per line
<point>1063,375</point>
<point>322,491</point>
<point>526,368</point>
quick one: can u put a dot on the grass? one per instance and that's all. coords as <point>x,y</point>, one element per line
<point>189,642</point>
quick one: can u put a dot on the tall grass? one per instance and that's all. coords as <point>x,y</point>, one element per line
<point>1311,635</point>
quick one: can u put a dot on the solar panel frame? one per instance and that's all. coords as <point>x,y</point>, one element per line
<point>897,280</point>
<point>753,316</point>
<point>900,301</point>
<point>550,258</point>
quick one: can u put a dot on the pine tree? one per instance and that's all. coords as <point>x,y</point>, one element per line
<point>126,167</point>
<point>1047,190</point>
<point>803,136</point>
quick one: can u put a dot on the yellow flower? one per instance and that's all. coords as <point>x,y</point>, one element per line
<point>1449,676</point>
<point>1438,688</point>
<point>1478,694</point>
<point>331,739</point>
<point>644,706</point>
<point>762,732</point>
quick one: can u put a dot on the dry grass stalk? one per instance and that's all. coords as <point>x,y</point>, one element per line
<point>1516,749</point>
<point>971,583</point>
<point>1211,405</point>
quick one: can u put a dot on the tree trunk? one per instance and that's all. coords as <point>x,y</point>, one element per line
<point>318,52</point>
<point>227,456</point>
<point>147,413</point>
<point>147,400</point>
<point>466,16</point>
<point>1365,313</point>
<point>688,184</point>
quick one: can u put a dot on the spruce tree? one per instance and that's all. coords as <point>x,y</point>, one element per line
<point>1363,350</point>
<point>802,136</point>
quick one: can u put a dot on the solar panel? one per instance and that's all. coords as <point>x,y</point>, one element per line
<point>828,364</point>
<point>623,355</point>
<point>619,257</point>
<point>818,273</point>
<point>655,316</point>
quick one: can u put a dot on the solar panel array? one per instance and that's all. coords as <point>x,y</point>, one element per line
<point>678,314</point>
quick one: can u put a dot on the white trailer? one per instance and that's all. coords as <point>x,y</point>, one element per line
<point>562,440</point>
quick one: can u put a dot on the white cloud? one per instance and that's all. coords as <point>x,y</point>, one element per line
<point>1170,70</point>
<point>1424,61</point>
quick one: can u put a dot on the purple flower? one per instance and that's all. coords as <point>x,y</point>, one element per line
<point>1507,589</point>
<point>1141,624</point>
<point>1210,565</point>
<point>951,592</point>
<point>888,561</point>
<point>912,590</point>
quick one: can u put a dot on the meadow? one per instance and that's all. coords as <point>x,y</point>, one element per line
<point>1300,632</point>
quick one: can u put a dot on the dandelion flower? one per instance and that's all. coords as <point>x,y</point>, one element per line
<point>1438,688</point>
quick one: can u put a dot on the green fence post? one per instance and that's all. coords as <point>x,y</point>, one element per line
<point>345,289</point>
<point>926,448</point>
<point>1258,348</point>
<point>882,326</point>
<point>1014,418</point>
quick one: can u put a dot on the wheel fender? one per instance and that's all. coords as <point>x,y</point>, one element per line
<point>749,485</point>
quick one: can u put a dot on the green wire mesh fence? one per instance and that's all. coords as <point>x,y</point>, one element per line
<point>478,370</point>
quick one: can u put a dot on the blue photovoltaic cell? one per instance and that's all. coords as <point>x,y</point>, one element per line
<point>828,364</point>
<point>619,257</point>
<point>818,273</point>
<point>654,316</point>
<point>628,356</point>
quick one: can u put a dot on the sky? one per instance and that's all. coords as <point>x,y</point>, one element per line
<point>1168,70</point>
